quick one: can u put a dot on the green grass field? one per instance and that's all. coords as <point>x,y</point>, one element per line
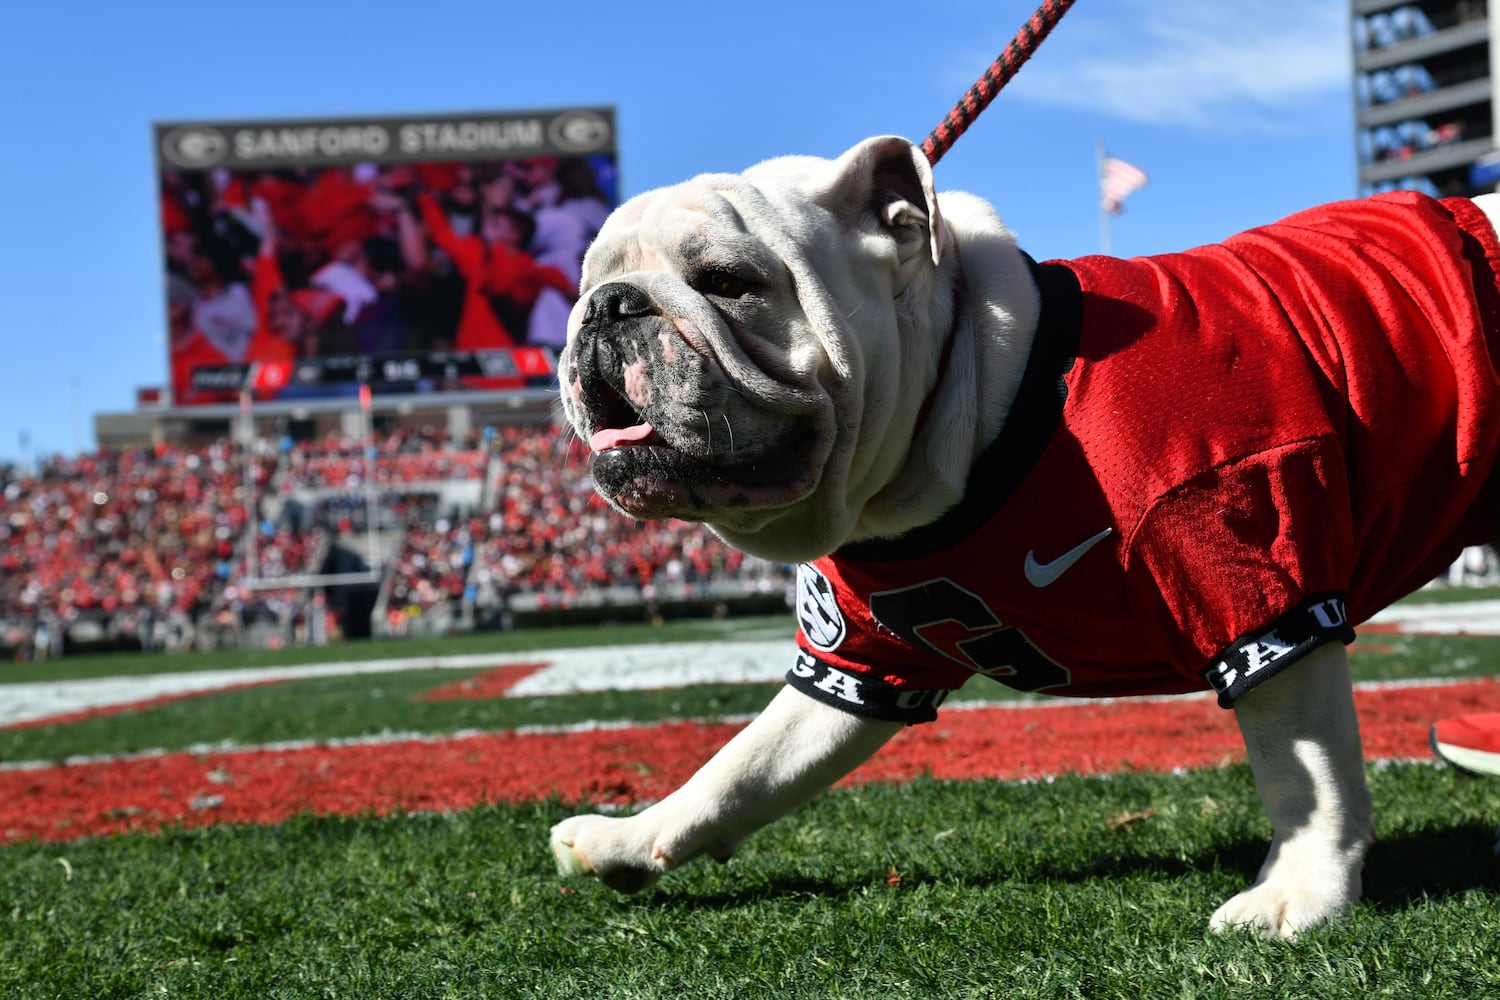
<point>1078,887</point>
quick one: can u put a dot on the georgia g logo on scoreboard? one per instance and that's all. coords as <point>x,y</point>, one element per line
<point>818,610</point>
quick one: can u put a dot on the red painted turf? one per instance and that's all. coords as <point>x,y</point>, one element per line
<point>489,684</point>
<point>626,766</point>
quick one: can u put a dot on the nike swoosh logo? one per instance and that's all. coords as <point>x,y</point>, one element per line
<point>1041,575</point>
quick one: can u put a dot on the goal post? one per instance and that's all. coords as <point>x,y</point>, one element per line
<point>253,579</point>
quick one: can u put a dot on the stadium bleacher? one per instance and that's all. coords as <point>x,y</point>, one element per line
<point>161,548</point>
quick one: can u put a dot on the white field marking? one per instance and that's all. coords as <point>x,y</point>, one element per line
<point>1460,618</point>
<point>576,671</point>
<point>568,671</point>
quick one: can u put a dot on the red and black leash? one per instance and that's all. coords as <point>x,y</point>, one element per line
<point>998,75</point>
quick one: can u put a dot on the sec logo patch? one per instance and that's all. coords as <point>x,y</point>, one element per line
<point>818,610</point>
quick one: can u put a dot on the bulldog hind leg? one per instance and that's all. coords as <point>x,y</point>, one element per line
<point>1302,738</point>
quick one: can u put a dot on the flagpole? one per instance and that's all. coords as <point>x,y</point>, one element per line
<point>1100,155</point>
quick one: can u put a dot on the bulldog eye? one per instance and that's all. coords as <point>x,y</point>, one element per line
<point>721,284</point>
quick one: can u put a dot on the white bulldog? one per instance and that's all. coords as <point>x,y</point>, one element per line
<point>1091,477</point>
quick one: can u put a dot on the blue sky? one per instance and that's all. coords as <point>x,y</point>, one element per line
<point>1241,113</point>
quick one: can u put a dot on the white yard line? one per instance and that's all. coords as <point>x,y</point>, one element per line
<point>597,668</point>
<point>1462,617</point>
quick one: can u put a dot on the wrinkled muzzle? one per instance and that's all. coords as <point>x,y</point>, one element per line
<point>671,435</point>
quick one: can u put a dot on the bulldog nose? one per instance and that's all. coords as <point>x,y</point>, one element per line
<point>616,301</point>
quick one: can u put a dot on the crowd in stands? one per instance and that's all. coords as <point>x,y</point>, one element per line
<point>142,537</point>
<point>150,547</point>
<point>431,567</point>
<point>550,534</point>
<point>397,458</point>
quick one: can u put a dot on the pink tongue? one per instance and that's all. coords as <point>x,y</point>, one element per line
<point>618,437</point>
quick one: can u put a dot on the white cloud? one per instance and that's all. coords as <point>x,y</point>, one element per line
<point>1193,63</point>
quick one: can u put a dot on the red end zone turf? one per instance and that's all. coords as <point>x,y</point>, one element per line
<point>623,766</point>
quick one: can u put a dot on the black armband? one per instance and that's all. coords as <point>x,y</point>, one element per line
<point>861,694</point>
<point>1254,658</point>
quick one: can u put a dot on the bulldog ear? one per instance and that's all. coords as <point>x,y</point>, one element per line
<point>890,176</point>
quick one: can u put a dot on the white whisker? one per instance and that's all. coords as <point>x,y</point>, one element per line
<point>564,441</point>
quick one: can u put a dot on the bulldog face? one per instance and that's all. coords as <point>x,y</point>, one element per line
<point>731,333</point>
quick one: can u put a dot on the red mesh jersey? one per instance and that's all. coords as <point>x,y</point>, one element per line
<point>1219,460</point>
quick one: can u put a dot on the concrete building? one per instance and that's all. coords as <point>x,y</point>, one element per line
<point>1424,94</point>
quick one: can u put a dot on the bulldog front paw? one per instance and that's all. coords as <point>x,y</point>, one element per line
<point>1279,912</point>
<point>610,849</point>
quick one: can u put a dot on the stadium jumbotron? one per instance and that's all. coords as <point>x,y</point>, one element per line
<point>357,435</point>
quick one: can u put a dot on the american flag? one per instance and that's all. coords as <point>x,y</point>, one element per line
<point>1117,178</point>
